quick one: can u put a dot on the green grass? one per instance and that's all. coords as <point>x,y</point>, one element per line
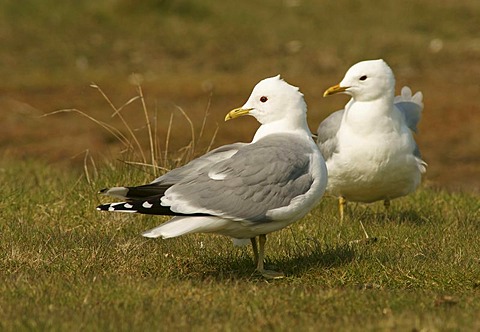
<point>66,266</point>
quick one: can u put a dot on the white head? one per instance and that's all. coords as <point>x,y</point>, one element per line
<point>273,99</point>
<point>366,81</point>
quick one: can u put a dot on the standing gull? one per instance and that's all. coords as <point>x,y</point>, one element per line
<point>369,148</point>
<point>241,190</point>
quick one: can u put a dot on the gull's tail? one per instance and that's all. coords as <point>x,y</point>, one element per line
<point>411,106</point>
<point>184,225</point>
<point>406,95</point>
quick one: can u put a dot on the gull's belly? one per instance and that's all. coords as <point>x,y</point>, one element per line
<point>377,171</point>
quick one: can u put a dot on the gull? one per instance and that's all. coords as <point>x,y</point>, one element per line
<point>368,146</point>
<point>241,190</point>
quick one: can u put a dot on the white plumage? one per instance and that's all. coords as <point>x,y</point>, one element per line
<point>369,147</point>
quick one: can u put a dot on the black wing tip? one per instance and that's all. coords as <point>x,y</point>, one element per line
<point>118,207</point>
<point>144,207</point>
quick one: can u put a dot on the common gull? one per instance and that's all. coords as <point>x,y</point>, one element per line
<point>368,146</point>
<point>243,191</point>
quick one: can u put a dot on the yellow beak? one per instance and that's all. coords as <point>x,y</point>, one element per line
<point>237,113</point>
<point>334,89</point>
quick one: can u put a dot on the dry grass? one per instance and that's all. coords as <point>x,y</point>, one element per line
<point>132,149</point>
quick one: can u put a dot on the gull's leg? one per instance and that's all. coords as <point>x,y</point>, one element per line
<point>342,204</point>
<point>261,241</point>
<point>261,255</point>
<point>386,203</point>
<point>255,249</point>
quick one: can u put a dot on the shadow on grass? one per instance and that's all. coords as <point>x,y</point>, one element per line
<point>409,216</point>
<point>303,258</point>
<point>318,258</point>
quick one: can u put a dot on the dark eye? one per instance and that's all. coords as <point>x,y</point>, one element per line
<point>363,78</point>
<point>263,99</point>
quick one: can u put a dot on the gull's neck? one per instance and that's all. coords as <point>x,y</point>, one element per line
<point>377,106</point>
<point>291,125</point>
<point>366,117</point>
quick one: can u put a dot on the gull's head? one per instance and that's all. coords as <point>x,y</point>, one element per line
<point>272,99</point>
<point>366,81</point>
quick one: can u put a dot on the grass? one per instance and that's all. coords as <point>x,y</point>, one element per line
<point>66,266</point>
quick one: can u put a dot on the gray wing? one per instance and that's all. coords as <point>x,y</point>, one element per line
<point>197,165</point>
<point>162,183</point>
<point>327,133</point>
<point>260,177</point>
<point>410,106</point>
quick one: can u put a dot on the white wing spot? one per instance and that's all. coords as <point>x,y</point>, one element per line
<point>147,205</point>
<point>216,176</point>
<point>113,205</point>
<point>128,206</point>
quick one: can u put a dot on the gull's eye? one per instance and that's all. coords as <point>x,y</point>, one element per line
<point>263,99</point>
<point>363,78</point>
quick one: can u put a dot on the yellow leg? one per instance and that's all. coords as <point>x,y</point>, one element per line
<point>262,239</point>
<point>342,204</point>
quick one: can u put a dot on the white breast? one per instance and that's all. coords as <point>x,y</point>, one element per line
<point>375,161</point>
